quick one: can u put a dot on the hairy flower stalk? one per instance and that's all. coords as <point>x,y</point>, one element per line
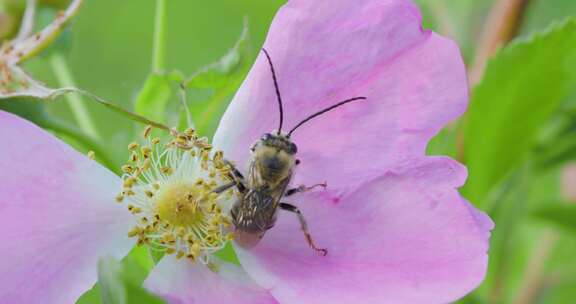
<point>170,190</point>
<point>14,81</point>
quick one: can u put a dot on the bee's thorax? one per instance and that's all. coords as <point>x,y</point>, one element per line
<point>272,166</point>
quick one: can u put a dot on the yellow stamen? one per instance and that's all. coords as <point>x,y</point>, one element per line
<point>169,189</point>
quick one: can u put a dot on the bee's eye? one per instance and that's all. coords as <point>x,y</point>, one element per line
<point>266,136</point>
<point>293,148</point>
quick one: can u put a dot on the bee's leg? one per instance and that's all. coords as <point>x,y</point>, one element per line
<point>235,171</point>
<point>236,176</point>
<point>225,187</point>
<point>236,183</point>
<point>304,227</point>
<point>303,188</point>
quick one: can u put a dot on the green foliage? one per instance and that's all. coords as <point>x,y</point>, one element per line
<point>222,79</point>
<point>14,82</point>
<point>127,114</point>
<point>154,96</point>
<point>562,215</point>
<point>558,141</point>
<point>444,143</point>
<point>26,108</point>
<point>111,286</point>
<point>461,20</point>
<point>516,136</point>
<point>519,92</point>
<point>228,254</point>
<point>560,152</point>
<point>539,13</point>
<point>120,282</point>
<point>30,109</point>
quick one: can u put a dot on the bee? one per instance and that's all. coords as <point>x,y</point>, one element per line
<point>270,172</point>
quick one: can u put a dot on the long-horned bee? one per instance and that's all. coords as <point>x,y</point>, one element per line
<point>270,171</point>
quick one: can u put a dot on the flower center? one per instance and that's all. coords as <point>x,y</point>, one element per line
<point>170,190</point>
<point>181,204</point>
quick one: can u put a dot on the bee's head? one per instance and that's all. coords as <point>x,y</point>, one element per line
<point>279,142</point>
<point>274,156</point>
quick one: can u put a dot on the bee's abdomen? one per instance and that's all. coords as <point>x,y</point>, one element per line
<point>255,212</point>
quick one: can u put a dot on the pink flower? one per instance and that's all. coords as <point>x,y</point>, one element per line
<point>58,217</point>
<point>396,228</point>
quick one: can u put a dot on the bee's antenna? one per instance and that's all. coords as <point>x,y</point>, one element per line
<point>324,111</point>
<point>277,90</point>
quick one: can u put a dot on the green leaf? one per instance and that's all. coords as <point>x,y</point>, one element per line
<point>557,142</point>
<point>121,282</point>
<point>520,90</point>
<point>30,109</point>
<point>561,215</point>
<point>154,97</point>
<point>558,152</point>
<point>444,143</point>
<point>26,108</point>
<point>91,296</point>
<point>540,13</point>
<point>561,292</point>
<point>222,78</point>
<point>111,288</point>
<point>156,255</point>
<point>228,254</point>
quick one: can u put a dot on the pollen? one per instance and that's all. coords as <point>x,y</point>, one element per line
<point>182,204</point>
<point>169,189</point>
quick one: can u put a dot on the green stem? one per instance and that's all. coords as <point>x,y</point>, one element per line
<point>79,110</point>
<point>159,47</point>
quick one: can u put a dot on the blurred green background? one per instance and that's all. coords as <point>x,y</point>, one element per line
<point>518,138</point>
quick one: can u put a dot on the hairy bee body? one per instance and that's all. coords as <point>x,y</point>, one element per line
<point>270,172</point>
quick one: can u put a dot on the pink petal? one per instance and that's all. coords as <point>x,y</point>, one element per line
<point>406,237</point>
<point>57,216</point>
<point>180,281</point>
<point>328,51</point>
